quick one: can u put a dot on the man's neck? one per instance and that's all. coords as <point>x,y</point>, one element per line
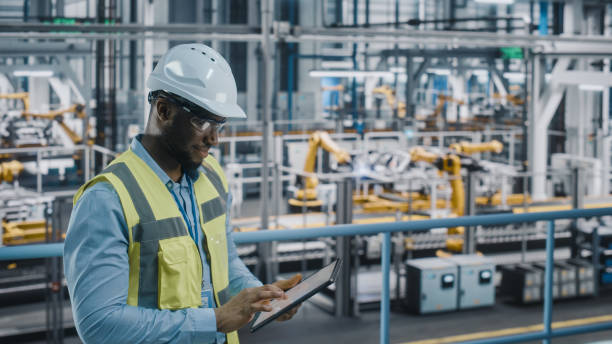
<point>162,157</point>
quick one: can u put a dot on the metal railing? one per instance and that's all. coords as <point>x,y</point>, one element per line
<point>54,250</point>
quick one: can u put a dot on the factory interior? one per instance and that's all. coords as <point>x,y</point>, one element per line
<point>455,154</point>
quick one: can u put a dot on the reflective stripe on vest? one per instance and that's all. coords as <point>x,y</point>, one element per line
<point>165,265</point>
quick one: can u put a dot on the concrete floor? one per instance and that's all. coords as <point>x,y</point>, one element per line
<point>312,325</point>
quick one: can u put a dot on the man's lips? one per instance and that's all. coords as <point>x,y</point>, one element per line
<point>203,150</point>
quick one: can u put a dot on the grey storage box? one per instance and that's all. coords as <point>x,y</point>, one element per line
<point>568,272</point>
<point>476,287</point>
<point>522,282</point>
<point>567,290</point>
<point>431,285</point>
<point>585,273</point>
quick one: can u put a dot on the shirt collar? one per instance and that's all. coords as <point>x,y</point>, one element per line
<point>138,149</point>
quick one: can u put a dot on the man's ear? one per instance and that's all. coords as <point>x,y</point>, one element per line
<point>163,110</point>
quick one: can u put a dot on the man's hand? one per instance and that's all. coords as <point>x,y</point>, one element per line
<point>284,285</point>
<point>241,308</point>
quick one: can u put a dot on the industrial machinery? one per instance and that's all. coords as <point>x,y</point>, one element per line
<point>469,148</point>
<point>476,287</point>
<point>434,120</point>
<point>389,94</point>
<point>306,196</point>
<point>451,164</point>
<point>58,116</point>
<point>22,217</point>
<point>27,129</point>
<point>23,96</point>
<point>10,170</point>
<point>431,285</point>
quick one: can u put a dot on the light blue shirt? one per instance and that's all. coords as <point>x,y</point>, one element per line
<point>96,266</point>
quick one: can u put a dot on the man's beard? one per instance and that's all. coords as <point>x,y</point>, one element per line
<point>179,150</point>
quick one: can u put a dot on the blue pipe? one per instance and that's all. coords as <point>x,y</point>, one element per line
<point>563,332</point>
<point>385,257</point>
<point>408,226</point>
<point>31,251</point>
<point>56,250</point>
<point>543,25</point>
<point>548,282</point>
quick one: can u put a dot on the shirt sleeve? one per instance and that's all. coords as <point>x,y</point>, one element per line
<point>240,277</point>
<point>96,268</point>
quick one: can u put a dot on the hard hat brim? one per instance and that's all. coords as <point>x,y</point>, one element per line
<point>223,109</point>
<point>227,110</point>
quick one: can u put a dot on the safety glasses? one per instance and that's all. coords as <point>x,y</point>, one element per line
<point>199,118</point>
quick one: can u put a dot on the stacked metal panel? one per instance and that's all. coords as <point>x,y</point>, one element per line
<point>476,287</point>
<point>571,279</point>
<point>522,282</point>
<point>431,285</point>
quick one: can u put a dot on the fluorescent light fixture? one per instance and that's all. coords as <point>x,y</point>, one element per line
<point>439,71</point>
<point>349,73</point>
<point>514,76</point>
<point>337,64</point>
<point>481,72</point>
<point>397,69</point>
<point>497,2</point>
<point>36,73</point>
<point>597,88</point>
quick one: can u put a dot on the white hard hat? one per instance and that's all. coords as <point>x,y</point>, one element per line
<point>199,74</point>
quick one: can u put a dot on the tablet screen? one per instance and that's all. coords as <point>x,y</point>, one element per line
<point>299,293</point>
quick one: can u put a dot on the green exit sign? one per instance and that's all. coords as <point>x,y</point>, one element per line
<point>508,53</point>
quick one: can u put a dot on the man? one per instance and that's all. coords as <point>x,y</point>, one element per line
<point>148,253</point>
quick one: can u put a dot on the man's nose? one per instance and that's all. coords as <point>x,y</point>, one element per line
<point>212,138</point>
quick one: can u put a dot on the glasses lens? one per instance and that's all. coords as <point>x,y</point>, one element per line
<point>204,124</point>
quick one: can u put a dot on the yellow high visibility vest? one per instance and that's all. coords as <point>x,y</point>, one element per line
<point>165,265</point>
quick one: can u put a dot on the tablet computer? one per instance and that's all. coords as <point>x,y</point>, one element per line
<point>298,294</point>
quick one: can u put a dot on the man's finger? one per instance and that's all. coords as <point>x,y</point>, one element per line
<point>289,283</point>
<point>289,314</point>
<point>260,307</point>
<point>267,295</point>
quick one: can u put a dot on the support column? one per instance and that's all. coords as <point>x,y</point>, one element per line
<point>345,298</point>
<point>265,249</point>
<point>469,240</point>
<point>149,15</point>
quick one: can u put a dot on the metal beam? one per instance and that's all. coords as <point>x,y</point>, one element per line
<point>578,44</point>
<point>17,48</point>
<point>575,77</point>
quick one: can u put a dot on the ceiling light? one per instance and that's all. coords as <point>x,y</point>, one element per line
<point>498,2</point>
<point>331,64</point>
<point>349,73</point>
<point>439,71</point>
<point>514,76</point>
<point>597,88</point>
<point>35,73</point>
<point>481,72</point>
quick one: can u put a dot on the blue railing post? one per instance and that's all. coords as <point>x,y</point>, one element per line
<point>384,299</point>
<point>548,282</point>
